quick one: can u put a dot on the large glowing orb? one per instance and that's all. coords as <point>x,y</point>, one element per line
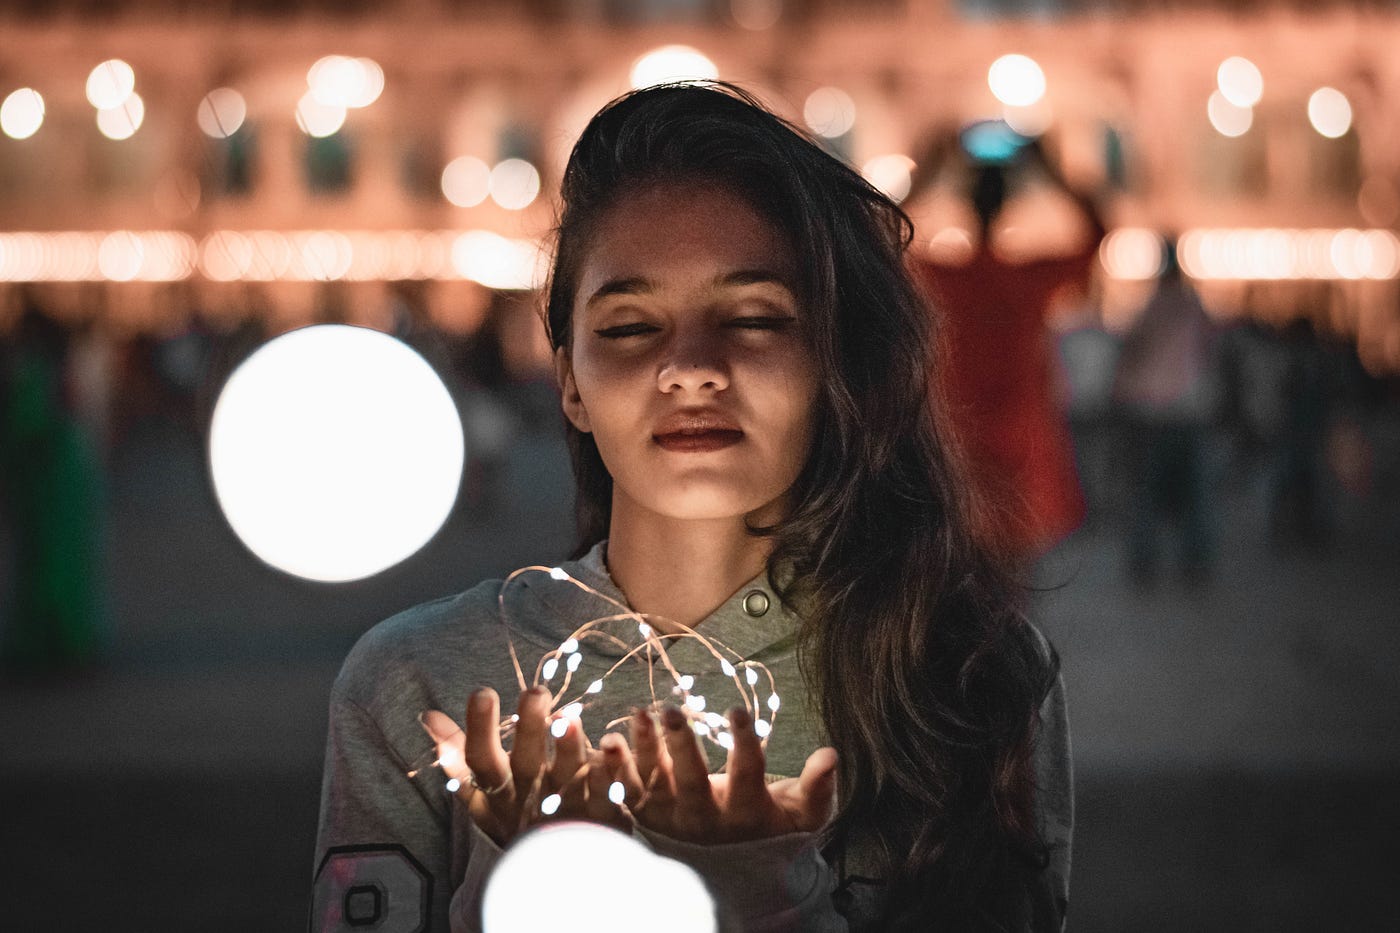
<point>557,877</point>
<point>336,452</point>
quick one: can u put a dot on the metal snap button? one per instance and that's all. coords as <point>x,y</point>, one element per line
<point>756,603</point>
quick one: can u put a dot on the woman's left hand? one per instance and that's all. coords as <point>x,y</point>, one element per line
<point>668,787</point>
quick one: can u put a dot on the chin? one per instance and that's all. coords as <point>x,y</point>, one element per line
<point>708,504</point>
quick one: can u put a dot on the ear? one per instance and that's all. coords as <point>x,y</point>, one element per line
<point>568,391</point>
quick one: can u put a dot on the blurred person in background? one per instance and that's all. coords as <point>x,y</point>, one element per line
<point>1167,389</point>
<point>996,358</point>
<point>51,482</point>
<point>744,366</point>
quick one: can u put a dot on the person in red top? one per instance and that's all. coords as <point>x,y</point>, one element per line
<point>995,360</point>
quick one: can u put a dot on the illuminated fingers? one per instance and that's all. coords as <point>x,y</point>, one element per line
<point>450,742</point>
<point>816,788</point>
<point>696,814</point>
<point>568,771</point>
<point>527,754</point>
<point>746,801</point>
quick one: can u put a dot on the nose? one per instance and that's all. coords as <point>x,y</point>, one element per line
<point>694,362</point>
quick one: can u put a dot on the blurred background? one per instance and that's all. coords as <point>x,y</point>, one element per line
<point>181,181</point>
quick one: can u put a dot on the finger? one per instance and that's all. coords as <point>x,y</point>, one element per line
<point>569,751</point>
<point>605,795</point>
<point>485,757</point>
<point>816,788</point>
<point>644,740</point>
<point>696,810</point>
<point>450,742</point>
<point>568,774</point>
<point>746,795</point>
<point>621,768</point>
<point>527,754</point>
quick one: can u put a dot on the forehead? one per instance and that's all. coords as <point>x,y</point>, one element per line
<point>675,235</point>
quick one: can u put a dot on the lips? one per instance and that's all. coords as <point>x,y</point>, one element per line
<point>697,431</point>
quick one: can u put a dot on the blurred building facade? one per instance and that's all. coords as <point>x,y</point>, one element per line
<point>237,202</point>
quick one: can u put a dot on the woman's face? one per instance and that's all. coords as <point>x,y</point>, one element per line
<point>689,363</point>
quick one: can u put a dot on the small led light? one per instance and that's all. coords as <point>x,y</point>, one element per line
<point>644,629</point>
<point>514,717</point>
<point>751,676</point>
<point>701,729</point>
<point>725,739</point>
<point>558,573</point>
<point>550,667</point>
<point>773,702</point>
<point>727,668</point>
<point>617,793</point>
<point>714,720</point>
<point>686,681</point>
<point>695,702</point>
<point>575,660</point>
<point>569,646</point>
<point>558,728</point>
<point>761,728</point>
<point>453,786</point>
<point>550,805</point>
<point>572,710</point>
<point>595,687</point>
<point>448,757</point>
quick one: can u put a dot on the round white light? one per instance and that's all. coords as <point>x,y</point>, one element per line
<point>514,184</point>
<point>1132,254</point>
<point>829,112</point>
<point>1329,111</point>
<point>581,857</point>
<point>1227,118</point>
<point>342,81</point>
<point>110,84</point>
<point>1016,80</point>
<point>892,174</point>
<point>672,63</point>
<point>122,121</point>
<point>1240,81</point>
<point>318,119</point>
<point>335,452</point>
<point>373,84</point>
<point>221,112</point>
<point>22,113</point>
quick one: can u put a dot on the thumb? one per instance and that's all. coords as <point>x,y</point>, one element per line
<point>817,789</point>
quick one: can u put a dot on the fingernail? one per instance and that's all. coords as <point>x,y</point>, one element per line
<point>739,718</point>
<point>673,718</point>
<point>480,701</point>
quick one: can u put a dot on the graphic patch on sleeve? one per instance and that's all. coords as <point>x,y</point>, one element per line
<point>370,889</point>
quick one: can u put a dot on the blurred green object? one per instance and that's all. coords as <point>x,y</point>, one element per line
<point>52,491</point>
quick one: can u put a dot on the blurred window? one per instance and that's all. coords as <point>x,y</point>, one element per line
<point>329,164</point>
<point>229,164</point>
<point>1334,165</point>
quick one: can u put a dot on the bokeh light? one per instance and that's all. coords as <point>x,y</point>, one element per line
<point>514,184</point>
<point>466,181</point>
<point>593,858</point>
<point>22,113</point>
<point>1132,254</point>
<point>1016,80</point>
<point>122,121</point>
<point>110,84</point>
<point>829,112</point>
<point>318,119</point>
<point>756,15</point>
<point>336,452</point>
<point>1329,112</point>
<point>672,63</point>
<point>1240,81</point>
<point>222,112</point>
<point>498,262</point>
<point>1228,119</point>
<point>342,81</point>
<point>892,174</point>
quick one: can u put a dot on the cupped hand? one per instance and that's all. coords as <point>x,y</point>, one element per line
<point>510,788</point>
<point>668,787</point>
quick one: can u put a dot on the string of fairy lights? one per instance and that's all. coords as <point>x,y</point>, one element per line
<point>636,635</point>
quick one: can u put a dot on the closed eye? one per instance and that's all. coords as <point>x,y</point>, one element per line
<point>619,331</point>
<point>762,323</point>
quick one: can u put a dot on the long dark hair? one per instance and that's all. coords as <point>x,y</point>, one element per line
<point>913,642</point>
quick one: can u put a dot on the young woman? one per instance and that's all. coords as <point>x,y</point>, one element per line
<point>744,367</point>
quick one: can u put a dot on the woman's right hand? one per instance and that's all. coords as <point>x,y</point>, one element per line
<point>510,787</point>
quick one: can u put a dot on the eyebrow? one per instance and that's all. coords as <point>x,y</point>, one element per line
<point>637,285</point>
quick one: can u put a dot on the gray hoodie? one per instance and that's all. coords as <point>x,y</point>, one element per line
<point>399,853</point>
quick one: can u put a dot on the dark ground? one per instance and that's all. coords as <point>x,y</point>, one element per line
<point>1236,744</point>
